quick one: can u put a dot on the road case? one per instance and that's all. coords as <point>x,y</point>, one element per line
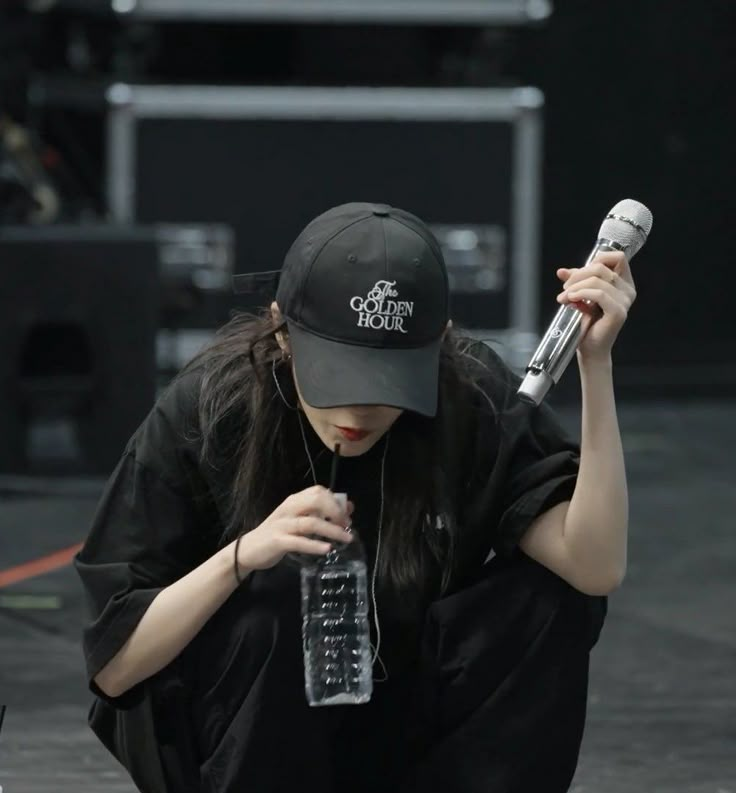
<point>266,160</point>
<point>79,310</point>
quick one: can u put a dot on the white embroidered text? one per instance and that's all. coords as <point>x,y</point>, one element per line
<point>379,310</point>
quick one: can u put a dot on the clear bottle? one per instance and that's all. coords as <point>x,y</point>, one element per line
<point>338,667</point>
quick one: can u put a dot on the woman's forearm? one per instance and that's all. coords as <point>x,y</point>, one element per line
<point>596,523</point>
<point>173,619</point>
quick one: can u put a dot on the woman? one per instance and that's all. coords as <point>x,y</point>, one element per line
<point>491,539</point>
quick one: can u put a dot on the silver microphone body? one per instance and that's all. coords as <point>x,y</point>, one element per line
<point>625,229</point>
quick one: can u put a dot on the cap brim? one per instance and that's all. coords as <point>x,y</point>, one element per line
<point>332,374</point>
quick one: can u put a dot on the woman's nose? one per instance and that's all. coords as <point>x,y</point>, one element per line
<point>364,412</point>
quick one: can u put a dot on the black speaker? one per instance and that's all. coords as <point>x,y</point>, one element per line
<point>78,319</point>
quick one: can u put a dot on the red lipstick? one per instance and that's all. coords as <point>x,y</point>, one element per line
<point>352,434</point>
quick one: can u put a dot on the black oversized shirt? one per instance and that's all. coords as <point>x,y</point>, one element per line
<point>162,515</point>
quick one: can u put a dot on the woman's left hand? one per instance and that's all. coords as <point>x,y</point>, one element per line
<point>608,286</point>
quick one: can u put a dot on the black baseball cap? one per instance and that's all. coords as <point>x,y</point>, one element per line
<point>365,296</point>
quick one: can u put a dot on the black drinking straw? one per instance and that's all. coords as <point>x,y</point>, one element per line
<point>333,470</point>
<point>2,716</point>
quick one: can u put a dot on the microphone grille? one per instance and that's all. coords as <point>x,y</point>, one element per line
<point>628,223</point>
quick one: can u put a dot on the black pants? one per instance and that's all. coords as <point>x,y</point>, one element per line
<point>499,704</point>
<point>496,703</point>
<point>506,666</point>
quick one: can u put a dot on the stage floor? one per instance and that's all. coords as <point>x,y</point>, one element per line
<point>662,709</point>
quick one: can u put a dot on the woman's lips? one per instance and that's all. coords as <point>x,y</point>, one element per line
<point>353,434</point>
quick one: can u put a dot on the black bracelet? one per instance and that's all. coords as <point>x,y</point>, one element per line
<point>239,578</point>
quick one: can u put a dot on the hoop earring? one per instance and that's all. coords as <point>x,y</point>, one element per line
<point>278,385</point>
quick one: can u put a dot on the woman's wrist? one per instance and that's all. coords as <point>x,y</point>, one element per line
<point>240,572</point>
<point>595,363</point>
<point>227,560</point>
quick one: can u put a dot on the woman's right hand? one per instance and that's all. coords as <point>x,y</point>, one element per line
<point>291,526</point>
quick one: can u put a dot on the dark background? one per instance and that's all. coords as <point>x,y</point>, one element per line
<point>638,103</point>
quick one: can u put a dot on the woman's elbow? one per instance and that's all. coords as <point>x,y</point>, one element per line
<point>603,583</point>
<point>111,684</point>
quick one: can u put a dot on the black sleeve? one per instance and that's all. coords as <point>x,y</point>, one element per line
<point>525,461</point>
<point>151,527</point>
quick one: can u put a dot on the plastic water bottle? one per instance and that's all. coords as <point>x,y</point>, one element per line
<point>335,631</point>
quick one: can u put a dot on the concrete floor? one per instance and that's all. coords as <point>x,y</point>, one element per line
<point>662,711</point>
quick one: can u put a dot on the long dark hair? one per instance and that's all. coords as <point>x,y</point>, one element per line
<point>249,434</point>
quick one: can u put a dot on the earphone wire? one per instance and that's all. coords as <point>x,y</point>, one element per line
<point>376,622</point>
<point>278,387</point>
<point>306,446</point>
<point>376,655</point>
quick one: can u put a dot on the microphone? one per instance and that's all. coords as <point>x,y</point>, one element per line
<point>625,228</point>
